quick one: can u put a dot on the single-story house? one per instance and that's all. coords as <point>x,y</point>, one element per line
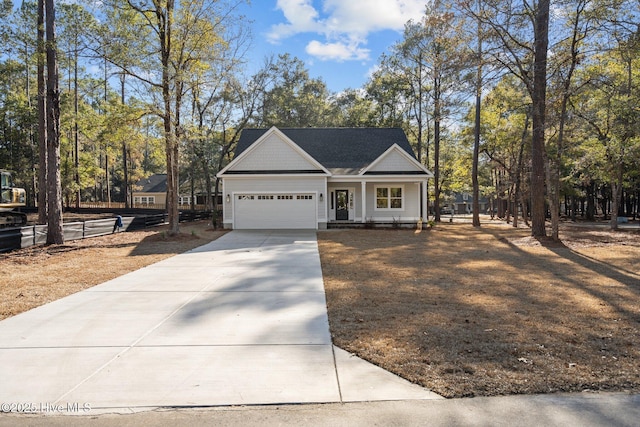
<point>309,177</point>
<point>152,192</point>
<point>462,203</point>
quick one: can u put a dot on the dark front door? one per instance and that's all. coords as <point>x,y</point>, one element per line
<point>342,205</point>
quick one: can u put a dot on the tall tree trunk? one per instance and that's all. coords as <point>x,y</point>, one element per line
<point>591,205</point>
<point>75,125</point>
<point>518,180</point>
<point>476,130</point>
<point>209,205</point>
<point>125,167</point>
<point>556,162</point>
<point>419,121</point>
<point>616,196</point>
<point>106,197</point>
<point>42,118</point>
<point>436,148</point>
<point>107,179</point>
<point>165,23</point>
<point>541,42</point>
<point>476,150</point>
<point>54,191</point>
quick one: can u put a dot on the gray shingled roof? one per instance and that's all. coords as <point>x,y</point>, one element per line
<point>341,150</point>
<point>154,184</point>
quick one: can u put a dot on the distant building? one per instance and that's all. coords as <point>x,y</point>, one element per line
<point>462,203</point>
<point>152,193</point>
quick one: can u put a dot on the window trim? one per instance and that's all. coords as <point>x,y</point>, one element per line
<point>144,200</point>
<point>389,198</point>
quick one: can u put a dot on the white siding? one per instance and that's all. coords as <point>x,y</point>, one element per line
<point>274,154</point>
<point>394,161</point>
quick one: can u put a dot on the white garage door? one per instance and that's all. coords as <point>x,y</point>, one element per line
<point>275,211</point>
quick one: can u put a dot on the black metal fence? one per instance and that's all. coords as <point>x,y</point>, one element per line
<point>23,237</point>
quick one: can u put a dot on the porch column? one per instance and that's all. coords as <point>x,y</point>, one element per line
<point>425,214</point>
<point>363,184</point>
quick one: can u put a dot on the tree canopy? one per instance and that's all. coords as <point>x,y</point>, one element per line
<point>161,87</point>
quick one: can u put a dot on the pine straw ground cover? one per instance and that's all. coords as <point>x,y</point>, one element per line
<point>37,275</point>
<point>489,311</point>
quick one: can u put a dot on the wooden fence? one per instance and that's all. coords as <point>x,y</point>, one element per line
<point>118,205</point>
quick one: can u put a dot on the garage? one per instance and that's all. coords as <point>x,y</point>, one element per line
<point>275,211</point>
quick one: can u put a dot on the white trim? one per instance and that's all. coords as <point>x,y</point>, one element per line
<point>376,178</point>
<point>363,210</point>
<point>273,131</point>
<point>424,210</point>
<point>273,175</point>
<point>388,187</point>
<point>351,203</point>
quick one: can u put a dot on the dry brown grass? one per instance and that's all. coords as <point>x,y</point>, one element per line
<point>489,311</point>
<point>37,275</point>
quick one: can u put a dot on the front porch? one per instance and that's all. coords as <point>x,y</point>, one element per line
<point>388,202</point>
<point>344,225</point>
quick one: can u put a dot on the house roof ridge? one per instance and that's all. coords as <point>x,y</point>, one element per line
<point>347,148</point>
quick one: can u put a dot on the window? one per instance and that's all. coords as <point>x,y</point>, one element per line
<point>389,198</point>
<point>184,200</point>
<point>144,200</point>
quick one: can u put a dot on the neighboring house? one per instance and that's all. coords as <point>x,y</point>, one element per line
<point>152,191</point>
<point>308,177</point>
<point>462,203</point>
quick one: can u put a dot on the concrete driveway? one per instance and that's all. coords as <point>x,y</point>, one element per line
<point>239,321</point>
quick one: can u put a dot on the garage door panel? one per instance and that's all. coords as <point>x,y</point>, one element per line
<point>264,211</point>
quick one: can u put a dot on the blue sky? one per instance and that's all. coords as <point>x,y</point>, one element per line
<point>339,41</point>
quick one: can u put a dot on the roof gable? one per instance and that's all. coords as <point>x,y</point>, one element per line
<point>271,152</point>
<point>340,150</point>
<point>395,160</point>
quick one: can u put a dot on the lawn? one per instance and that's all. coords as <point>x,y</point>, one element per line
<point>489,311</point>
<point>461,311</point>
<point>40,274</point>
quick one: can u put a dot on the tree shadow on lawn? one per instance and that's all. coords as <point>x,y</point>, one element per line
<point>613,279</point>
<point>471,313</point>
<point>161,243</point>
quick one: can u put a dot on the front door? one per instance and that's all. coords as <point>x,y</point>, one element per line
<point>342,205</point>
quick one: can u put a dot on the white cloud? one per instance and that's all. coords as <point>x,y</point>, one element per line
<point>337,51</point>
<point>362,17</point>
<point>345,24</point>
<point>301,17</point>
